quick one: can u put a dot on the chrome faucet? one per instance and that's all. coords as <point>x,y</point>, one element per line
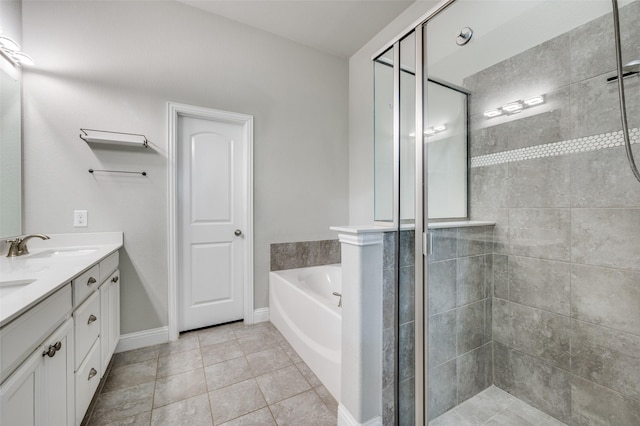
<point>18,246</point>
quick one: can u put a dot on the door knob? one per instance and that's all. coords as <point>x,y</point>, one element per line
<point>238,232</point>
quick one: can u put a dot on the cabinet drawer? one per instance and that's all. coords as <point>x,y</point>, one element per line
<point>87,326</point>
<point>108,266</point>
<point>20,337</point>
<point>87,379</point>
<point>86,284</point>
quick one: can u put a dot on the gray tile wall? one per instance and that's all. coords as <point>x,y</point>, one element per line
<point>460,282</point>
<point>566,262</point>
<point>303,254</point>
<point>460,289</point>
<point>389,372</point>
<point>398,281</point>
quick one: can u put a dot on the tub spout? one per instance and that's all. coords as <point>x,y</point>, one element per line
<point>335,293</point>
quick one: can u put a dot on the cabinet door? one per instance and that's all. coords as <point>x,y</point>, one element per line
<point>104,326</point>
<point>20,396</point>
<point>114,312</point>
<point>110,309</point>
<point>58,377</point>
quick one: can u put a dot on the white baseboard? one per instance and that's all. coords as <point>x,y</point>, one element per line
<point>346,419</point>
<point>260,315</point>
<point>156,336</point>
<point>144,338</point>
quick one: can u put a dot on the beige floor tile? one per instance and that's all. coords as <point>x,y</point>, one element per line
<point>327,398</point>
<point>179,387</point>
<point>193,411</point>
<point>186,342</point>
<point>170,378</point>
<point>304,409</point>
<point>236,400</point>
<point>141,419</point>
<point>291,353</point>
<point>120,404</point>
<point>131,375</point>
<point>227,373</point>
<point>135,356</point>
<point>268,360</point>
<point>214,335</point>
<point>179,363</point>
<point>262,417</point>
<point>257,342</point>
<point>308,374</point>
<point>282,384</point>
<point>221,352</point>
<point>278,336</point>
<point>241,330</point>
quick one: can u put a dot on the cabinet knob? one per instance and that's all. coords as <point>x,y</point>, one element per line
<point>91,280</point>
<point>91,319</point>
<point>115,279</point>
<point>92,373</point>
<point>51,352</point>
<point>237,232</point>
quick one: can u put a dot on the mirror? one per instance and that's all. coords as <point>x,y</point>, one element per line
<point>384,171</point>
<point>10,156</point>
<point>445,134</point>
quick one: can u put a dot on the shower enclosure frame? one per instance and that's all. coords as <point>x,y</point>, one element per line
<point>420,193</point>
<point>422,248</point>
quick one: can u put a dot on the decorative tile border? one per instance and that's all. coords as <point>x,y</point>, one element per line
<point>588,143</point>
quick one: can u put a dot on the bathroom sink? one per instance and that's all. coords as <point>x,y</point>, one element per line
<point>48,254</point>
<point>8,287</point>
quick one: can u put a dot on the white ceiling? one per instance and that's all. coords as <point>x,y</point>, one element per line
<point>337,27</point>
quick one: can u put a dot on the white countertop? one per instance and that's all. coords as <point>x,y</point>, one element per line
<point>49,273</point>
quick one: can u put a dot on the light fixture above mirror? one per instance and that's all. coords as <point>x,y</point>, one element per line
<point>515,107</point>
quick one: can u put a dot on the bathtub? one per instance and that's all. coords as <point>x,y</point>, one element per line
<point>303,309</point>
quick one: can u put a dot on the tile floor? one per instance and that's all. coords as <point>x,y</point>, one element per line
<point>228,375</point>
<point>495,407</point>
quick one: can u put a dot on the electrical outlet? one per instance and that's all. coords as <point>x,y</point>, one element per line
<point>80,218</point>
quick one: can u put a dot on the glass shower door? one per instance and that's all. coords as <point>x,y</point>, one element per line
<point>537,316</point>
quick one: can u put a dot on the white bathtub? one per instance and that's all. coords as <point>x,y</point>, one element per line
<point>303,309</point>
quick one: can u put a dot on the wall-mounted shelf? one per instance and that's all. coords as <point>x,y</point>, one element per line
<point>114,138</point>
<point>143,173</point>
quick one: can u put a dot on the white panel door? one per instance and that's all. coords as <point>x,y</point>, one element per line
<point>210,190</point>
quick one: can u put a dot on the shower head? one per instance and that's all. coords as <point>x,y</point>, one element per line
<point>633,66</point>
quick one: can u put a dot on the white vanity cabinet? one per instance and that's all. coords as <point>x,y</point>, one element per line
<point>41,390</point>
<point>54,353</point>
<point>95,332</point>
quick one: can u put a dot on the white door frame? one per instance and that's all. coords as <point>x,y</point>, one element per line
<point>176,110</point>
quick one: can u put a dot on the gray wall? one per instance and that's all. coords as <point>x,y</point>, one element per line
<point>113,66</point>
<point>566,301</point>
